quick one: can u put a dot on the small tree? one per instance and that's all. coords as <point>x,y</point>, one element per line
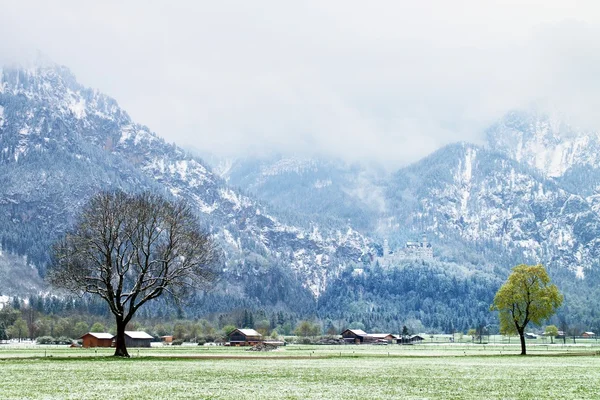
<point>3,335</point>
<point>8,315</point>
<point>80,329</point>
<point>97,327</point>
<point>180,331</point>
<point>405,331</point>
<point>130,249</point>
<point>262,327</point>
<point>552,331</point>
<point>307,328</point>
<point>227,329</point>
<point>472,332</point>
<point>527,296</point>
<point>18,330</point>
<point>405,334</point>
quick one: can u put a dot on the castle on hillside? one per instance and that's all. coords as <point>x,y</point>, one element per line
<point>413,250</point>
<point>419,250</point>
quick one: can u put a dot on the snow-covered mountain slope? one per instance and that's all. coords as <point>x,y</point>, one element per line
<point>61,142</point>
<point>548,144</point>
<point>18,277</point>
<point>478,206</point>
<point>327,190</point>
<point>487,201</point>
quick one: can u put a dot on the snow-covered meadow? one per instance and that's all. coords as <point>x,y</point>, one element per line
<point>303,372</point>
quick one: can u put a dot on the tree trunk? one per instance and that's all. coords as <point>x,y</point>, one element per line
<point>522,337</point>
<point>120,348</point>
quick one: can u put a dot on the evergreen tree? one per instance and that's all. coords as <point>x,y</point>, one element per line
<point>3,335</point>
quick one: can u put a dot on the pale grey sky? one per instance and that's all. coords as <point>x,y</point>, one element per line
<point>377,80</point>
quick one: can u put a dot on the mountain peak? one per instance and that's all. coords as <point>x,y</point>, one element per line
<point>544,142</point>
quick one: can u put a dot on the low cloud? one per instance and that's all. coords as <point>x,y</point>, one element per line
<point>385,81</point>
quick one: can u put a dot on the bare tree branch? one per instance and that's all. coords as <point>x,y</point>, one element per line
<point>130,249</point>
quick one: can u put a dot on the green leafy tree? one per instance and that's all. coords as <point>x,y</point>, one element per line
<point>161,330</point>
<point>43,326</point>
<point>207,328</point>
<point>262,326</point>
<point>527,296</point>
<point>307,328</point>
<point>80,329</point>
<point>97,327</point>
<point>227,329</point>
<point>180,331</point>
<point>472,332</point>
<point>8,315</point>
<point>18,330</point>
<point>552,331</point>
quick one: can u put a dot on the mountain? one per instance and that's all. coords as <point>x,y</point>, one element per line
<point>477,205</point>
<point>61,142</point>
<point>470,197</point>
<point>312,236</point>
<point>569,155</point>
<point>328,190</point>
<point>482,211</point>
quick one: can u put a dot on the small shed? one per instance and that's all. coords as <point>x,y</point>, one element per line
<point>97,339</point>
<point>380,337</point>
<point>416,339</point>
<point>530,335</point>
<point>244,337</point>
<point>356,336</point>
<point>168,339</point>
<point>588,334</point>
<point>137,339</point>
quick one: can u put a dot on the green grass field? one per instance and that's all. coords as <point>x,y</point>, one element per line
<point>303,372</point>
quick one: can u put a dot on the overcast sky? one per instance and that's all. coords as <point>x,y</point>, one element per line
<point>371,80</point>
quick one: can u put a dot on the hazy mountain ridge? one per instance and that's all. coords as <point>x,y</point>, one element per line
<point>328,190</point>
<point>61,142</point>
<point>497,209</point>
<point>481,209</point>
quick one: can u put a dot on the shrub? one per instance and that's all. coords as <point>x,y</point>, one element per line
<point>45,340</point>
<point>63,340</point>
<point>204,339</point>
<point>177,342</point>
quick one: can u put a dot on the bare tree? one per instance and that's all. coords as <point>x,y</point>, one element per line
<point>130,249</point>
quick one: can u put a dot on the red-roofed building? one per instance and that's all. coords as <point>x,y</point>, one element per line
<point>97,339</point>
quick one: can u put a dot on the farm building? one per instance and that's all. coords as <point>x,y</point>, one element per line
<point>167,339</point>
<point>588,334</point>
<point>244,337</point>
<point>356,336</point>
<point>137,339</point>
<point>530,335</point>
<point>416,339</point>
<point>380,337</point>
<point>97,339</point>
